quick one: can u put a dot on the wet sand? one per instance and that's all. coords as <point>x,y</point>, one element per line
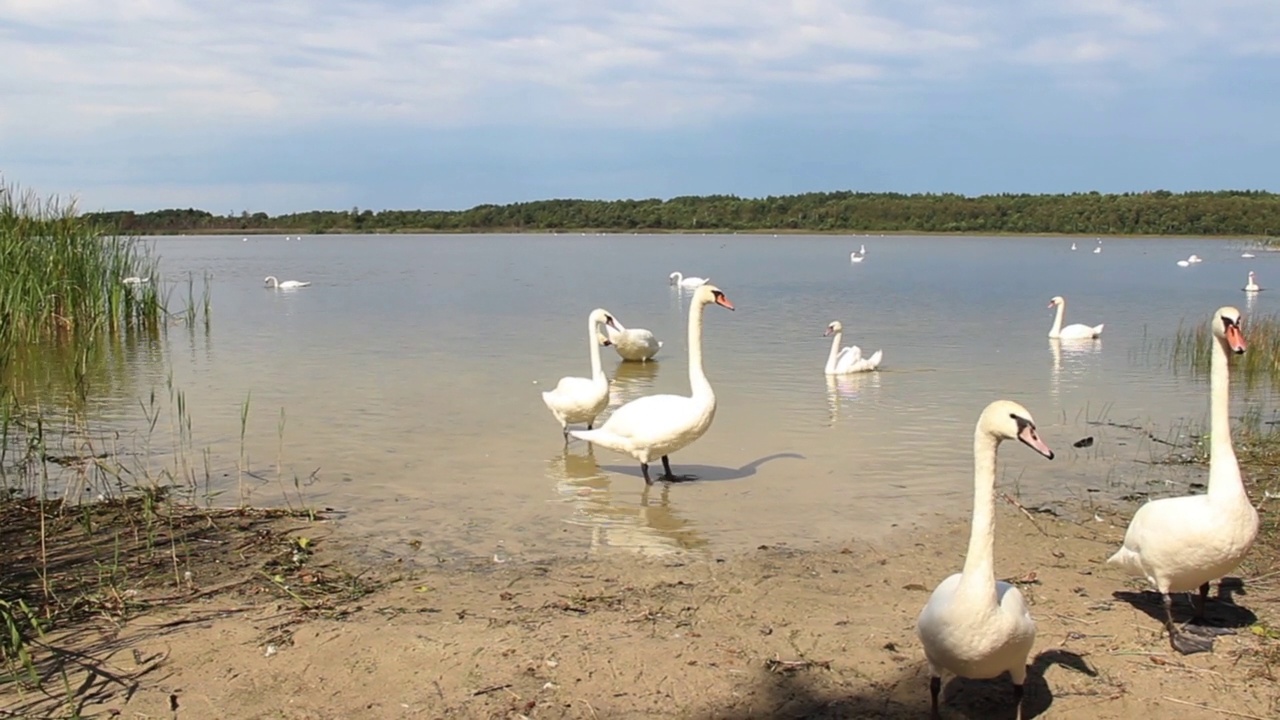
<point>264,628</point>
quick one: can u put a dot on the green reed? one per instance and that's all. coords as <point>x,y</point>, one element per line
<point>63,276</point>
<point>1260,365</point>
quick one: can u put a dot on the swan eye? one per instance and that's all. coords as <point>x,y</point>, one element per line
<point>1021,421</point>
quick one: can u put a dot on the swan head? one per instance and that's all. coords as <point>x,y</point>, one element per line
<point>269,279</point>
<point>600,316</point>
<point>1056,301</point>
<point>709,294</point>
<point>1007,420</point>
<point>675,277</point>
<point>833,328</point>
<point>1226,328</point>
<point>604,341</point>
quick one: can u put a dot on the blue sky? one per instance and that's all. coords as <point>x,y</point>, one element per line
<point>284,105</point>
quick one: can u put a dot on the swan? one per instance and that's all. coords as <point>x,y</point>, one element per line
<point>1098,249</point>
<point>135,280</point>
<point>859,254</point>
<point>579,399</point>
<point>271,281</point>
<point>1073,246</point>
<point>688,283</point>
<point>1179,544</point>
<point>1247,255</point>
<point>973,625</point>
<point>1194,258</point>
<point>635,344</point>
<point>1183,263</point>
<point>847,360</point>
<point>1078,331</point>
<point>658,425</point>
<point>1252,285</point>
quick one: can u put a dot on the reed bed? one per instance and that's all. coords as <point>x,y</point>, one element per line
<point>62,276</point>
<point>1259,366</point>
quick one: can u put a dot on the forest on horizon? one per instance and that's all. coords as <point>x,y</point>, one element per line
<point>1160,212</point>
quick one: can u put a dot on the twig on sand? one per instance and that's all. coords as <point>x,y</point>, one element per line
<point>491,688</point>
<point>1008,498</point>
<point>777,665</point>
<point>1233,713</point>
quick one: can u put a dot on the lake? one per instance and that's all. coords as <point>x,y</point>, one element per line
<point>409,375</point>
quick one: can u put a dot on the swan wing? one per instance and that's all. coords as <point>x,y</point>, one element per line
<point>847,358</point>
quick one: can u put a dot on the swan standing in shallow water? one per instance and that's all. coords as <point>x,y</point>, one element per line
<point>635,344</point>
<point>1180,544</point>
<point>973,625</point>
<point>657,425</point>
<point>271,281</point>
<point>1252,285</point>
<point>688,283</point>
<point>579,399</point>
<point>848,360</point>
<point>1078,331</point>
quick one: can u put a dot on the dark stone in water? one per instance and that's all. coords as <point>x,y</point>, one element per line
<point>1086,442</point>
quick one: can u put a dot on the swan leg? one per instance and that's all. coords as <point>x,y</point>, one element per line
<point>1199,625</point>
<point>672,477</point>
<point>1019,692</point>
<point>1199,603</point>
<point>1185,643</point>
<point>935,687</point>
<point>644,468</point>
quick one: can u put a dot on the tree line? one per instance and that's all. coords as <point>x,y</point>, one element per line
<point>1229,212</point>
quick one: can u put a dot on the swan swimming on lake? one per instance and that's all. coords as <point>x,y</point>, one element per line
<point>858,255</point>
<point>271,281</point>
<point>1252,285</point>
<point>1077,331</point>
<point>688,283</point>
<point>136,280</point>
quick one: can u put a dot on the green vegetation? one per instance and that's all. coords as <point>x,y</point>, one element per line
<point>1233,213</point>
<point>62,275</point>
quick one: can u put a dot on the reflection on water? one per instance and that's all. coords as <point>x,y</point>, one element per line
<point>632,380</point>
<point>649,526</point>
<point>1073,359</point>
<point>1250,301</point>
<point>848,390</point>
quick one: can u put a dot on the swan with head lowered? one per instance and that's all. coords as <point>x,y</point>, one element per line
<point>973,625</point>
<point>655,426</point>
<point>634,344</point>
<point>578,399</point>
<point>848,360</point>
<point>1078,331</point>
<point>1180,544</point>
<point>687,283</point>
<point>271,281</point>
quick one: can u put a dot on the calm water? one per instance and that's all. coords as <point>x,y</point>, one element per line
<point>409,373</point>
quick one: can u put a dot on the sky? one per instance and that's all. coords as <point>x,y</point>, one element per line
<point>292,105</point>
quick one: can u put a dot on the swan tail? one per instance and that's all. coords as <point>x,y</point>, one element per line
<point>591,436</point>
<point>873,362</point>
<point>1097,329</point>
<point>1127,560</point>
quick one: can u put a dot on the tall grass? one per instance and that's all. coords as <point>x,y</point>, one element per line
<point>63,276</point>
<point>1259,365</point>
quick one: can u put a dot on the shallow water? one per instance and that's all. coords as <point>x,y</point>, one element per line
<point>409,375</point>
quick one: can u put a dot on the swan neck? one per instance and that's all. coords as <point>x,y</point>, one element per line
<point>593,342</point>
<point>1224,471</point>
<point>1057,319</point>
<point>697,378</point>
<point>978,580</point>
<point>835,350</point>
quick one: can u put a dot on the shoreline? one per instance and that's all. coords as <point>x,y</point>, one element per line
<point>269,617</point>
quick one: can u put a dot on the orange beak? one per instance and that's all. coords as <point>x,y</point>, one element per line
<point>723,301</point>
<point>1235,339</point>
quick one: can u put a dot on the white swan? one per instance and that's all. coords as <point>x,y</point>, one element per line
<point>858,255</point>
<point>1078,331</point>
<point>636,344</point>
<point>658,425</point>
<point>847,360</point>
<point>1098,249</point>
<point>579,399</point>
<point>1179,544</point>
<point>1073,246</point>
<point>1252,285</point>
<point>1183,263</point>
<point>135,280</point>
<point>688,283</point>
<point>973,625</point>
<point>1247,255</point>
<point>271,281</point>
<point>1194,258</point>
